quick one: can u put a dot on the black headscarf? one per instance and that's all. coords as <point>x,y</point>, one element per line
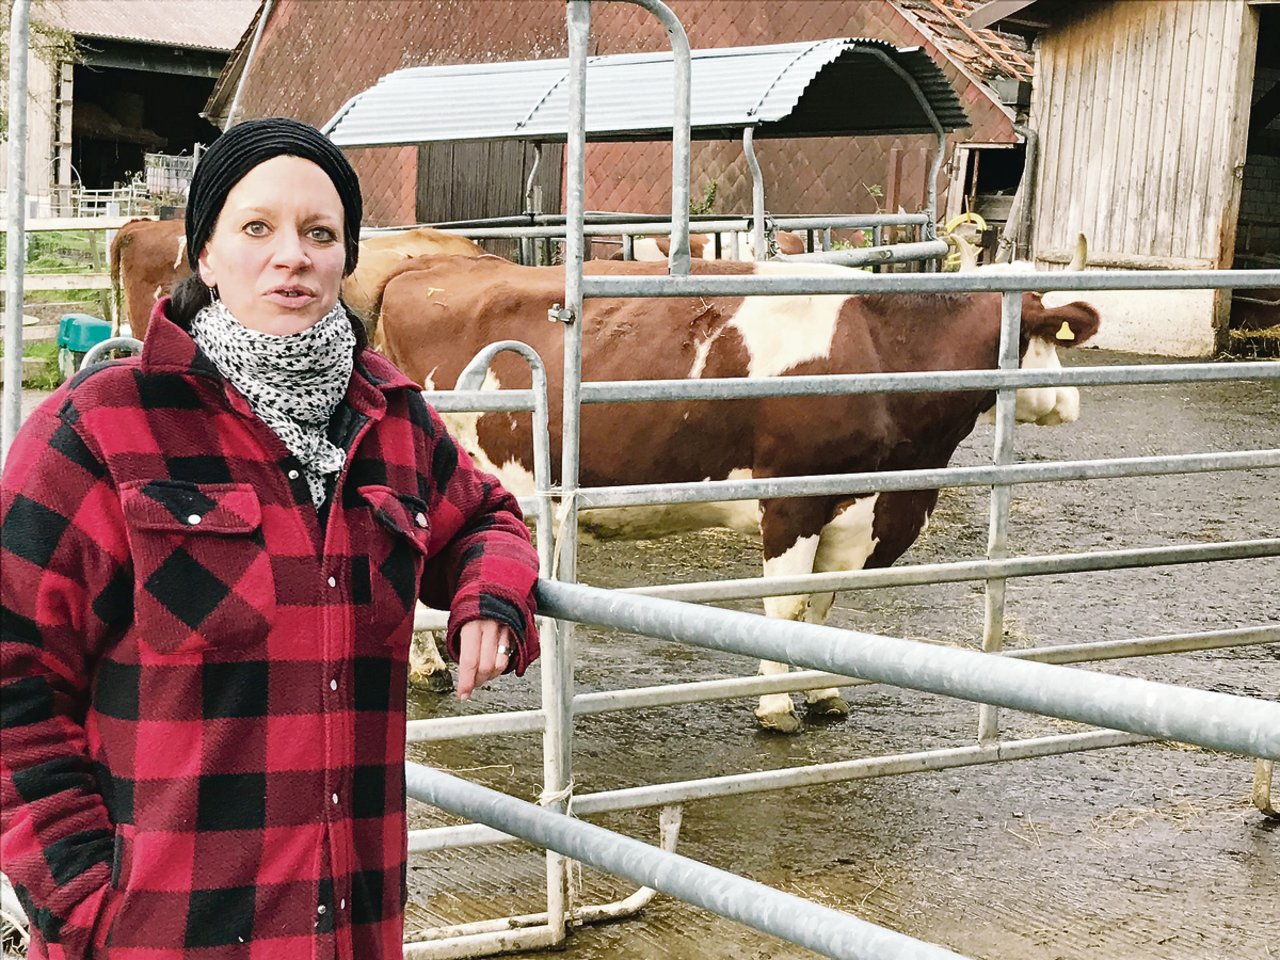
<point>245,146</point>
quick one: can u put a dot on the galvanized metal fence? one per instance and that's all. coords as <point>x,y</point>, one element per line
<point>1132,711</point>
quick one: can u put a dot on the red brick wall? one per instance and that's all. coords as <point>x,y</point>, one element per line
<point>316,55</point>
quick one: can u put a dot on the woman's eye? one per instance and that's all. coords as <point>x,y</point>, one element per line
<point>256,228</point>
<point>322,235</point>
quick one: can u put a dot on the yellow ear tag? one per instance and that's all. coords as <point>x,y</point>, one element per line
<point>1065,332</point>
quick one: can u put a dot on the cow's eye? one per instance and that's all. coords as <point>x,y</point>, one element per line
<point>256,228</point>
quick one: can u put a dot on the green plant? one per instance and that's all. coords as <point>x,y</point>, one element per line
<point>705,206</point>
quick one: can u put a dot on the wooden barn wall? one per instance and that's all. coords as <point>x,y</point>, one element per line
<point>315,55</point>
<point>1142,109</point>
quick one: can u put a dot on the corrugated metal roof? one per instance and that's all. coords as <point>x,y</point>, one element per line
<point>194,24</point>
<point>838,87</point>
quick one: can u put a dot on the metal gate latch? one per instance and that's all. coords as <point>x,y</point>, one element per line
<point>561,314</point>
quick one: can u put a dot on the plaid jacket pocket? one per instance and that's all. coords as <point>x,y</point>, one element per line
<point>396,548</point>
<point>202,575</point>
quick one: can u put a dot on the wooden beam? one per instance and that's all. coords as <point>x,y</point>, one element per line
<point>76,223</point>
<point>66,281</point>
<point>1127,261</point>
<point>1266,109</point>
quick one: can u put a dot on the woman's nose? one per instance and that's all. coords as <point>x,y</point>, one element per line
<point>290,250</point>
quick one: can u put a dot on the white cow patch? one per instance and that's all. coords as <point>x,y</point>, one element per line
<point>781,332</point>
<point>465,428</point>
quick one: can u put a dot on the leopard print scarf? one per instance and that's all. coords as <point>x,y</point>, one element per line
<point>294,383</point>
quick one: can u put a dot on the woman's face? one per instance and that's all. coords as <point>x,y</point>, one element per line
<point>276,254</point>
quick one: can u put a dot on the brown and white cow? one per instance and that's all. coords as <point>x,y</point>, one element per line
<point>148,257</point>
<point>436,316</point>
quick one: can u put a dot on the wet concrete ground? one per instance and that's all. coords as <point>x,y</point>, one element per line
<point>1143,852</point>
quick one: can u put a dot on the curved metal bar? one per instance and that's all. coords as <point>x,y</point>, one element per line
<point>132,344</point>
<point>757,192</point>
<point>930,228</point>
<point>681,137</point>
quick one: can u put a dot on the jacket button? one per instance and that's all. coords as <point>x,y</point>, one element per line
<point>293,474</point>
<point>194,519</point>
<point>342,904</point>
<point>320,909</point>
<point>333,684</point>
<point>334,798</point>
<point>332,582</point>
<point>420,519</point>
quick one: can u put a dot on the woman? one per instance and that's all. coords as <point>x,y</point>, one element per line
<point>211,555</point>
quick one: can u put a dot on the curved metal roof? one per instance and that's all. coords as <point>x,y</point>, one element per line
<point>838,87</point>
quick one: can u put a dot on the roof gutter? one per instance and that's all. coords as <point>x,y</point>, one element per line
<point>263,17</point>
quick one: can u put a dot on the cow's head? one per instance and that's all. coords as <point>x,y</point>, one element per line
<point>1044,330</point>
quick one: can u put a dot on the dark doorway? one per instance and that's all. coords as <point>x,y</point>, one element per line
<point>120,114</point>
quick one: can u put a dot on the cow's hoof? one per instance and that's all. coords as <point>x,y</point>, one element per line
<point>438,681</point>
<point>778,722</point>
<point>828,708</point>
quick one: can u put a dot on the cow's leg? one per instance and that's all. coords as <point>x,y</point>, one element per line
<point>790,532</point>
<point>845,544</point>
<point>427,669</point>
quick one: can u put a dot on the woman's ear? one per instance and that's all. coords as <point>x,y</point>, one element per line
<point>205,271</point>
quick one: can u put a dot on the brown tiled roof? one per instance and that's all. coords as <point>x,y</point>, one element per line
<point>987,54</point>
<point>194,24</point>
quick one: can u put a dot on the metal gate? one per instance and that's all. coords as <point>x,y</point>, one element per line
<point>1132,712</point>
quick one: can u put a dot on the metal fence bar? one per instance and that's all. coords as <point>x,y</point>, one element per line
<point>750,588</point>
<point>1001,494</point>
<point>841,484</point>
<point>760,781</point>
<point>1214,720</point>
<point>827,932</point>
<point>927,381</point>
<point>861,282</point>
<point>15,217</point>
<point>701,691</point>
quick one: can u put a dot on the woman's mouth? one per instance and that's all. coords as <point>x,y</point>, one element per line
<point>291,296</point>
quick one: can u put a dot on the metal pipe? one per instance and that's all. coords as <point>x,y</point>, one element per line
<point>681,137</point>
<point>757,193</point>
<point>751,588</point>
<point>702,691</point>
<point>709,491</point>
<point>1214,720</point>
<point>860,282</point>
<point>15,224</point>
<point>821,929</point>
<point>998,521</point>
<point>557,670</point>
<point>98,350</point>
<point>895,253</point>
<point>737,388</point>
<point>253,49</point>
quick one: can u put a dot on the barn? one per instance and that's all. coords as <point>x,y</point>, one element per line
<point>117,81</point>
<point>1160,131</point>
<point>301,65</point>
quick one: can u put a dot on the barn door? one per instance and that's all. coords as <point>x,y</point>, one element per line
<point>469,180</point>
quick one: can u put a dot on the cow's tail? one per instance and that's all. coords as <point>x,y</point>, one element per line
<point>376,338</point>
<point>117,288</point>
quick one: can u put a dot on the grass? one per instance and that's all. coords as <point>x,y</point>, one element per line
<point>47,375</point>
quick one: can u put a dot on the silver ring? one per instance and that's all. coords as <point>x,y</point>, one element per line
<point>504,651</point>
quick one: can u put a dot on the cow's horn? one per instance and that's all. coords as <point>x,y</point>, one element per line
<point>1081,255</point>
<point>1065,332</point>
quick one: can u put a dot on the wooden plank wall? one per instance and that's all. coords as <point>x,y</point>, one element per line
<point>1142,130</point>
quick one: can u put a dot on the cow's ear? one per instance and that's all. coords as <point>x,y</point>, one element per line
<point>1067,326</point>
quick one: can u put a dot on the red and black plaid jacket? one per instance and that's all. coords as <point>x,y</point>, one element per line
<point>203,689</point>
